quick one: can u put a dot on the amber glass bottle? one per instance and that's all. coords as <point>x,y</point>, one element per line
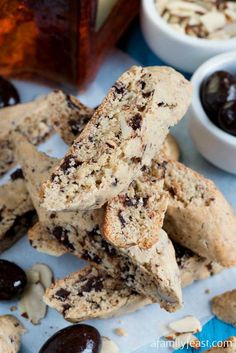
<point>60,40</point>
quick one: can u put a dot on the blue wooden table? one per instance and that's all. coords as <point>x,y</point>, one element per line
<point>134,44</point>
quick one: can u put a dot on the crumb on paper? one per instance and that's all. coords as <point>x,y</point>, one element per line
<point>119,331</point>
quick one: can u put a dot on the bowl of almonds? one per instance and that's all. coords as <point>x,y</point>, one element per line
<point>186,33</point>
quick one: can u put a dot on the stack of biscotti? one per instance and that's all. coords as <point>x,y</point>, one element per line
<point>144,103</point>
<point>36,167</point>
<point>107,200</point>
<point>145,270</point>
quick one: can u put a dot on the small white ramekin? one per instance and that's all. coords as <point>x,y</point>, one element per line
<point>214,144</point>
<point>184,52</point>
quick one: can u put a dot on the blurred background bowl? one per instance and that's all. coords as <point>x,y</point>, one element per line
<point>182,51</point>
<point>214,144</point>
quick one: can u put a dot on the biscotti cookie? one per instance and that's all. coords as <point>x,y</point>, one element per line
<point>228,346</point>
<point>31,119</point>
<point>11,331</point>
<point>41,240</point>
<point>91,293</point>
<point>224,307</point>
<point>16,211</point>
<point>136,216</point>
<point>125,133</point>
<point>152,272</point>
<point>198,216</point>
<point>70,125</point>
<point>34,120</point>
<point>76,115</point>
<point>171,148</point>
<point>193,267</point>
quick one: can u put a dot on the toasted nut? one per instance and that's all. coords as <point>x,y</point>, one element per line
<point>203,19</point>
<point>45,274</point>
<point>33,276</point>
<point>186,325</point>
<point>31,305</point>
<point>108,346</point>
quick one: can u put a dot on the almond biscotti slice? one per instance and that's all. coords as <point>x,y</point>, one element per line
<point>16,211</point>
<point>152,272</point>
<point>91,293</point>
<point>34,120</point>
<point>198,216</point>
<point>191,266</point>
<point>125,133</point>
<point>70,125</point>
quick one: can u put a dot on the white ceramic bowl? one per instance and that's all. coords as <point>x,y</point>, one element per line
<point>215,145</point>
<point>184,52</point>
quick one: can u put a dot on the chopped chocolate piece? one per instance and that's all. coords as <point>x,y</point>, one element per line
<point>70,103</point>
<point>17,174</point>
<point>94,283</point>
<point>62,294</point>
<point>136,121</point>
<point>147,94</point>
<point>121,218</point>
<point>69,162</point>
<point>119,87</point>
<point>61,234</point>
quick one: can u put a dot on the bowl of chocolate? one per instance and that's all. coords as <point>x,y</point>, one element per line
<point>212,115</point>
